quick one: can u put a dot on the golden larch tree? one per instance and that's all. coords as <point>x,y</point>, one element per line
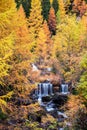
<point>7,41</point>
<point>7,24</point>
<point>22,55</point>
<point>35,20</point>
<point>44,46</point>
<point>61,12</point>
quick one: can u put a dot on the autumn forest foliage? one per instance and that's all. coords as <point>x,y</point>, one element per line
<point>52,32</point>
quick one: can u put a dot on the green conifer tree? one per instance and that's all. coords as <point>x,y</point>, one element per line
<point>45,8</point>
<point>55,5</point>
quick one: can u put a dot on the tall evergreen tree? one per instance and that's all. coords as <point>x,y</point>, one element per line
<point>55,5</point>
<point>45,8</point>
<point>26,5</point>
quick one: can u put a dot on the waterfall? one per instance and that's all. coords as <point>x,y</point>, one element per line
<point>40,100</point>
<point>64,88</point>
<point>39,89</point>
<point>45,89</point>
<point>50,88</point>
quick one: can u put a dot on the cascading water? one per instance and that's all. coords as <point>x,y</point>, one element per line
<point>50,89</point>
<point>39,89</point>
<point>64,88</point>
<point>40,100</point>
<point>45,89</point>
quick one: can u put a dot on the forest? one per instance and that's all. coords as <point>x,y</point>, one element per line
<point>43,41</point>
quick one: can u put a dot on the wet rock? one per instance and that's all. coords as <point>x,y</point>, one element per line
<point>50,106</point>
<point>54,113</point>
<point>61,116</point>
<point>46,98</point>
<point>59,100</point>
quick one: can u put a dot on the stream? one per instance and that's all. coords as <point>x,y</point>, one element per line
<point>46,89</point>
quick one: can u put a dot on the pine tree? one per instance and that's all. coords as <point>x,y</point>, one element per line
<point>45,8</point>
<point>26,5</point>
<point>52,21</point>
<point>55,5</point>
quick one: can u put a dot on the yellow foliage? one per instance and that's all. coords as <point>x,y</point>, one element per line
<point>48,118</point>
<point>68,44</point>
<point>62,11</point>
<point>3,104</point>
<point>35,20</point>
<point>7,14</point>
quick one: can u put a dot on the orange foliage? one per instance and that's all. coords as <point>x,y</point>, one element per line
<point>22,55</point>
<point>52,20</point>
<point>73,105</point>
<point>49,41</point>
<point>80,7</point>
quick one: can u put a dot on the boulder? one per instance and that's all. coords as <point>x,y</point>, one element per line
<point>59,99</point>
<point>46,98</point>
